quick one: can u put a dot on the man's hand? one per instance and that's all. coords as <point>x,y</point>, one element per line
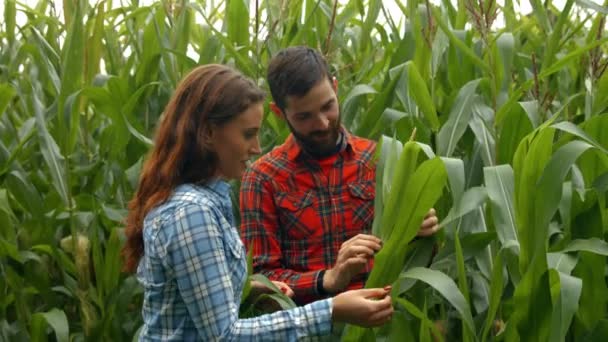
<point>267,304</point>
<point>430,224</point>
<point>352,258</point>
<point>258,288</point>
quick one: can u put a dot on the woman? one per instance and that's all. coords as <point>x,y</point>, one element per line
<point>181,238</point>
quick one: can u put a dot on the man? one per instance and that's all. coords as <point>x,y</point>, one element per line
<point>307,206</point>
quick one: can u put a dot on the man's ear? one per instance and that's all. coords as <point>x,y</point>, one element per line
<point>276,110</point>
<point>334,82</point>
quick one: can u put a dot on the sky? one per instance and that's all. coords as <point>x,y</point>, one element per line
<point>523,6</point>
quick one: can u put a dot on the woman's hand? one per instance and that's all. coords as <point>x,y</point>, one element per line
<point>365,307</point>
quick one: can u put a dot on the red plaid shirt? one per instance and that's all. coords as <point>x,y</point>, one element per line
<point>297,211</point>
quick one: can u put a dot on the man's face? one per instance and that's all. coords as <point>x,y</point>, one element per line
<point>314,119</point>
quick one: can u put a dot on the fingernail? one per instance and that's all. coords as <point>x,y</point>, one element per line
<point>388,288</point>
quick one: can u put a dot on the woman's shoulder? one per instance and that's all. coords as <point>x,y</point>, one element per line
<point>186,200</point>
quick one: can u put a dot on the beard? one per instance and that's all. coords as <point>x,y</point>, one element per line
<point>319,143</point>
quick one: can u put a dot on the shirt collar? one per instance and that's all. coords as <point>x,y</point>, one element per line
<point>221,189</point>
<point>220,186</point>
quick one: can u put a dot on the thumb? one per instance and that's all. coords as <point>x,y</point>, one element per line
<point>375,292</point>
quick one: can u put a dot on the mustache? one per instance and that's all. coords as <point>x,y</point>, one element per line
<point>320,133</point>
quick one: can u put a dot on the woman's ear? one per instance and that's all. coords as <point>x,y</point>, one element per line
<point>208,134</point>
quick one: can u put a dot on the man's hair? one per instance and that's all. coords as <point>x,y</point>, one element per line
<point>294,71</point>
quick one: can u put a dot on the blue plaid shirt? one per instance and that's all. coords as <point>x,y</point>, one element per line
<point>193,272</point>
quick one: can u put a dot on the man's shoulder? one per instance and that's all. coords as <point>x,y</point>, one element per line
<point>363,148</point>
<point>271,163</point>
<point>362,142</point>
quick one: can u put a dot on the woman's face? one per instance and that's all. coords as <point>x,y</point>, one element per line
<point>236,142</point>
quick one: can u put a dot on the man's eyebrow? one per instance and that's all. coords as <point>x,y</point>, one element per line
<point>301,113</point>
<point>329,101</point>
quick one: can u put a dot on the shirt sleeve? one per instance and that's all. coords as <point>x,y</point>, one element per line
<point>193,249</point>
<point>259,231</point>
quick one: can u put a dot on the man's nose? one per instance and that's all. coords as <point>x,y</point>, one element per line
<point>322,122</point>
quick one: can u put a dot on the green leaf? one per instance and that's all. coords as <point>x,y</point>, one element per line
<point>484,135</point>
<point>423,189</point>
<point>550,184</point>
<point>556,34</point>
<point>499,186</point>
<point>462,284</point>
<point>457,42</point>
<point>496,290</point>
<point>414,311</point>
<point>387,155</point>
<point>277,295</point>
<point>511,132</point>
<point>577,131</point>
<point>562,262</point>
<point>531,157</point>
<point>506,52</point>
<point>446,287</point>
<point>567,304</point>
<point>458,119</point>
<point>418,90</point>
<point>10,14</point>
<point>237,23</point>
<point>593,6</point>
<point>25,193</point>
<point>247,286</point>
<point>592,245</point>
<point>4,205</point>
<point>405,168</point>
<point>471,200</point>
<point>562,62</point>
<point>541,15</point>
<point>531,110</point>
<point>380,102</point>
<point>72,61</point>
<point>533,305</point>
<point>7,93</point>
<point>456,177</point>
<point>112,262</point>
<point>356,91</point>
<point>58,320</point>
<point>51,154</point>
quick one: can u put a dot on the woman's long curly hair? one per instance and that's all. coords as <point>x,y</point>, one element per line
<point>210,95</point>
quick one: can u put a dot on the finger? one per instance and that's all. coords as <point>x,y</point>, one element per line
<point>357,261</point>
<point>382,315</point>
<point>362,242</point>
<point>358,250</point>
<point>428,232</point>
<point>374,292</point>
<point>429,222</point>
<point>430,213</point>
<point>364,237</point>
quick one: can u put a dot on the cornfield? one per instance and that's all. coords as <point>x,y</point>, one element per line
<point>503,130</point>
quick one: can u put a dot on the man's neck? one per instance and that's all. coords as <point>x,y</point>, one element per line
<point>323,154</point>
